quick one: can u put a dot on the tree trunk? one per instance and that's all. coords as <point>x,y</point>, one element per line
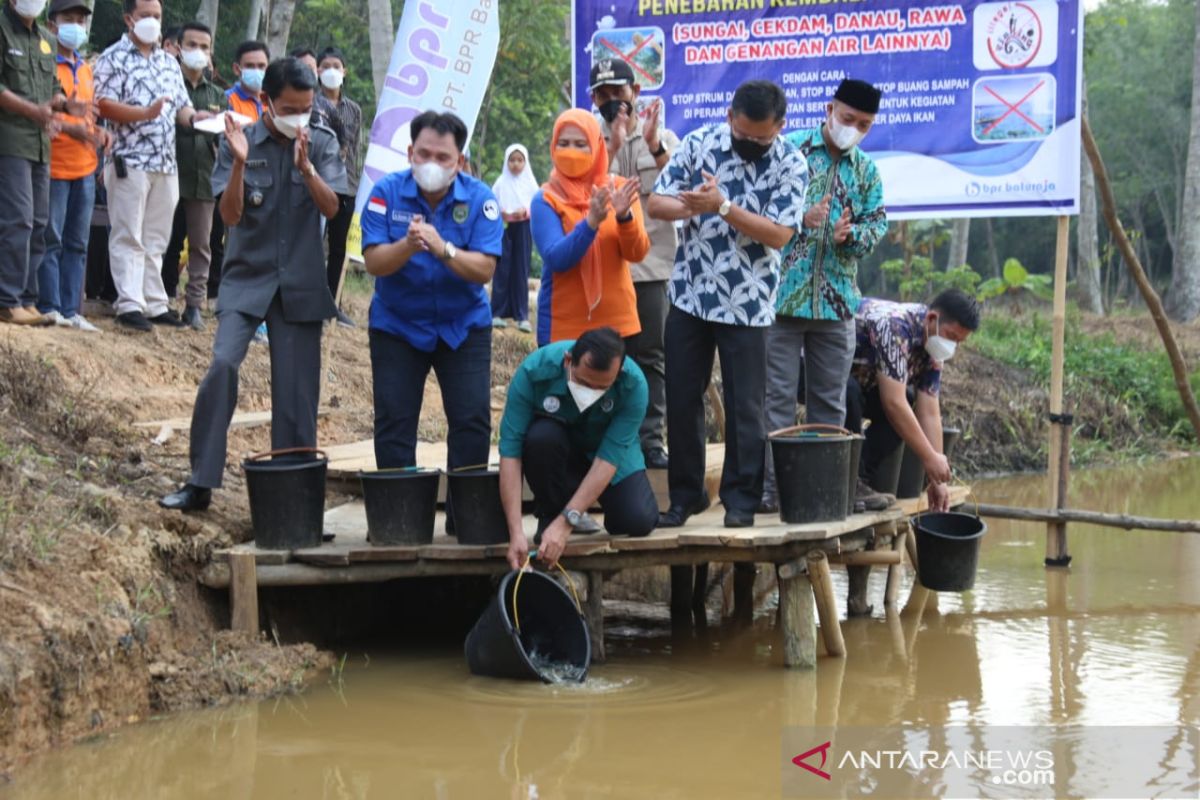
<point>960,238</point>
<point>1183,300</point>
<point>279,26</point>
<point>1087,235</point>
<point>206,14</point>
<point>254,20</point>
<point>383,36</point>
<point>993,256</point>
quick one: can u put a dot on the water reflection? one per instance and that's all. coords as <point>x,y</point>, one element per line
<point>1115,640</point>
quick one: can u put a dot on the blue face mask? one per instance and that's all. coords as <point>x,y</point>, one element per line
<point>72,35</point>
<point>252,79</point>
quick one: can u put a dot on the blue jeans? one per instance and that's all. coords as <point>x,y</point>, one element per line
<point>60,276</point>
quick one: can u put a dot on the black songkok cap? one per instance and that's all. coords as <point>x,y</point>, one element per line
<point>859,95</point>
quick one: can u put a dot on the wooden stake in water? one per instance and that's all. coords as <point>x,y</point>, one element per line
<point>1056,532</point>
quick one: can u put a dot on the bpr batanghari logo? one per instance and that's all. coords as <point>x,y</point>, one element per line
<point>974,189</point>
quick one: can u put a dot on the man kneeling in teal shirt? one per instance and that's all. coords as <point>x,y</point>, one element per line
<point>570,427</point>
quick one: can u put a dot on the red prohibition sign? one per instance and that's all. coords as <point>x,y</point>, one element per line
<point>1013,34</point>
<point>1013,108</point>
<point>628,57</point>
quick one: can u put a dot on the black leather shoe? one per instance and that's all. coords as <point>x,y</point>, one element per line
<point>134,321</point>
<point>739,519</point>
<point>677,516</point>
<point>189,498</point>
<point>656,458</point>
<point>168,318</point>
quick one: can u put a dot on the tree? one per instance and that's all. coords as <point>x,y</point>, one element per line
<point>960,240</point>
<point>1087,235</point>
<point>206,14</point>
<point>279,26</point>
<point>383,33</point>
<point>254,20</point>
<point>1183,301</point>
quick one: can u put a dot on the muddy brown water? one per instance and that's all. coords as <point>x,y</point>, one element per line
<point>1116,641</point>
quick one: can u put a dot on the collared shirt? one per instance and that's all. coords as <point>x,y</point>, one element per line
<point>196,150</point>
<point>125,75</point>
<point>347,116</point>
<point>26,70</point>
<point>71,159</point>
<point>891,342</point>
<point>634,160</point>
<point>276,246</point>
<point>424,300</point>
<point>244,102</point>
<point>820,278</point>
<point>722,275</point>
<point>607,430</point>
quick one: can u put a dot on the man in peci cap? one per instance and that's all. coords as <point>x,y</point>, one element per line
<point>818,289</point>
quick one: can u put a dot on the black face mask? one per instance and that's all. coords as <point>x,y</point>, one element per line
<point>612,108</point>
<point>747,150</point>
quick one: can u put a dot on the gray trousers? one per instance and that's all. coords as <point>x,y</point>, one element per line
<point>650,355</point>
<point>199,217</point>
<point>24,213</point>
<point>295,388</point>
<point>826,348</point>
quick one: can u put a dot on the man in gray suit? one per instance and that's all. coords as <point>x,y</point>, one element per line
<point>275,180</point>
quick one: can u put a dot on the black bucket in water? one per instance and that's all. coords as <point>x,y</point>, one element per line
<point>912,472</point>
<point>948,550</point>
<point>551,643</point>
<point>856,446</point>
<point>401,505</point>
<point>887,471</point>
<point>810,475</point>
<point>473,500</point>
<point>287,497</point>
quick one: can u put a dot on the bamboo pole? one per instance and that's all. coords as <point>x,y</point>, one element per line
<point>822,585</point>
<point>1109,205</point>
<point>891,590</point>
<point>1056,532</point>
<point>1125,521</point>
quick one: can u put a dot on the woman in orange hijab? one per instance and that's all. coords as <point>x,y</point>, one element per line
<point>587,226</point>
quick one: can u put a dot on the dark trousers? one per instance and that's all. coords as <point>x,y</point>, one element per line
<point>510,284</point>
<point>398,372</point>
<point>554,469</point>
<point>882,438</point>
<point>24,214</point>
<point>337,230</point>
<point>98,282</point>
<point>647,350</point>
<point>295,388</point>
<point>170,264</point>
<point>690,344</point>
<point>216,245</point>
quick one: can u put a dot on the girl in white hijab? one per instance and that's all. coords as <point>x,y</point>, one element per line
<point>514,189</point>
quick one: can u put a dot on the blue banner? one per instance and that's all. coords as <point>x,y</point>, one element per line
<point>980,110</point>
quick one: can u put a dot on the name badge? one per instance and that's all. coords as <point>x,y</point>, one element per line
<point>13,51</point>
<point>255,163</point>
<point>400,215</point>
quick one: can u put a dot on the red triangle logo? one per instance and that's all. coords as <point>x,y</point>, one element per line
<point>823,749</point>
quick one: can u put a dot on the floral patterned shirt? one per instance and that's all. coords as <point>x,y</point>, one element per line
<point>891,342</point>
<point>722,275</point>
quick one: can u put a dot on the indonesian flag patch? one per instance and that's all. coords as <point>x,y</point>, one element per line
<point>377,205</point>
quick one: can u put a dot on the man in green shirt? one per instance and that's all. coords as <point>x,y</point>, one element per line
<point>570,427</point>
<point>196,153</point>
<point>28,100</point>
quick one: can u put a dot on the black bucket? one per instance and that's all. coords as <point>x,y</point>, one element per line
<point>912,472</point>
<point>287,497</point>
<point>948,550</point>
<point>401,505</point>
<point>856,446</point>
<point>473,500</point>
<point>810,475</point>
<point>887,471</point>
<point>552,632</point>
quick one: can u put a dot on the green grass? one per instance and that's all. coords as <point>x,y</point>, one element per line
<point>1140,378</point>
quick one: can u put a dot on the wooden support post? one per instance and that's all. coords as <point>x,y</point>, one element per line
<point>594,611</point>
<point>797,617</point>
<point>243,593</point>
<point>857,578</point>
<point>743,592</point>
<point>700,594</point>
<point>892,590</point>
<point>822,587</point>
<point>682,586</point>
<point>1060,424</point>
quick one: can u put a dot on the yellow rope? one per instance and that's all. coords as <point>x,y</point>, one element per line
<point>517,585</point>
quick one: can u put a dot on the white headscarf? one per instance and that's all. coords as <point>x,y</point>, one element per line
<point>515,192</point>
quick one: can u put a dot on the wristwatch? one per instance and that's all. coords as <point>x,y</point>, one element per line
<point>662,149</point>
<point>724,208</point>
<point>449,251</point>
<point>572,516</point>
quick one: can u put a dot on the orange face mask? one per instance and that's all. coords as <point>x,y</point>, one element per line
<point>571,162</point>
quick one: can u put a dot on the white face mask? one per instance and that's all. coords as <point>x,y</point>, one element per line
<point>194,59</point>
<point>291,124</point>
<point>433,177</point>
<point>332,78</point>
<point>147,30</point>
<point>939,347</point>
<point>30,9</point>
<point>844,136</point>
<point>584,396</point>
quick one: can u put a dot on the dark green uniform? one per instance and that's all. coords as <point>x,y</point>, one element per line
<point>196,151</point>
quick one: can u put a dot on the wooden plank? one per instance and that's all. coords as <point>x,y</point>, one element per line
<point>798,619</point>
<point>391,552</point>
<point>260,556</point>
<point>243,593</point>
<point>708,528</point>
<point>666,539</point>
<point>241,419</point>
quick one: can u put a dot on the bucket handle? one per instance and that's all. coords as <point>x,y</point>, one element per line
<point>809,426</point>
<point>286,451</point>
<point>517,585</point>
<point>954,483</point>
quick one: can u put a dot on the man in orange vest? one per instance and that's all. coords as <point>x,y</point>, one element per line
<point>249,65</point>
<point>73,165</point>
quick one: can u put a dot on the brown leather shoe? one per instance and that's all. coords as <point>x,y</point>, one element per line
<point>36,317</point>
<point>19,316</point>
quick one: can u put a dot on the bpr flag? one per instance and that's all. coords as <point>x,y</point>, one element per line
<point>442,61</point>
